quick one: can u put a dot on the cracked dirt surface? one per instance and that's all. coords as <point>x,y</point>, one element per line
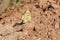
<point>45,24</point>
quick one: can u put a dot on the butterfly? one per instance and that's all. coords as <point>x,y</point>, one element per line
<point>26,17</point>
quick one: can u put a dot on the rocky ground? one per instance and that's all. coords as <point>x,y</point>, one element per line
<point>45,24</point>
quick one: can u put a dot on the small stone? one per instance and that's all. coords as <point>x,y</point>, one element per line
<point>57,25</point>
<point>39,39</point>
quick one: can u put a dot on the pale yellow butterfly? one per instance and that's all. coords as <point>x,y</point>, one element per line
<point>26,17</point>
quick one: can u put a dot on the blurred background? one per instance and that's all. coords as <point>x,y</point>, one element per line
<point>4,4</point>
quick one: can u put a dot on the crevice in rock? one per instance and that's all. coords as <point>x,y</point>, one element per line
<point>1,35</point>
<point>44,9</point>
<point>37,6</point>
<point>59,16</point>
<point>34,29</point>
<point>50,6</point>
<point>3,23</point>
<point>21,23</point>
<point>0,18</point>
<point>21,30</point>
